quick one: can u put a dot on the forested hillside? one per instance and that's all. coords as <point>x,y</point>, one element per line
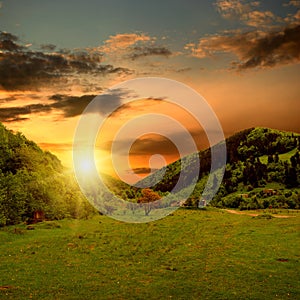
<point>257,159</point>
<point>262,170</point>
<point>34,180</point>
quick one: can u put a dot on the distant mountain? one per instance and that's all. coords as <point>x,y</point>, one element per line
<point>256,158</point>
<point>33,180</point>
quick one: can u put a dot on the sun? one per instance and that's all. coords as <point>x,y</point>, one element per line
<point>85,166</point>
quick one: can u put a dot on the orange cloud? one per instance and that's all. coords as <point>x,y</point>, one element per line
<point>230,9</point>
<point>259,18</point>
<point>246,12</point>
<point>254,49</point>
<point>295,3</point>
<point>121,41</point>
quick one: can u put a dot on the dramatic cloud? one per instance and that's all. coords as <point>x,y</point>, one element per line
<point>22,69</point>
<point>246,12</point>
<point>8,42</point>
<point>270,44</point>
<point>14,114</point>
<point>255,49</point>
<point>111,100</point>
<point>69,106</point>
<point>138,52</point>
<point>121,41</point>
<point>72,106</point>
<point>153,144</point>
<point>231,9</point>
<point>295,3</point>
<point>135,107</point>
<point>133,46</point>
<point>259,18</point>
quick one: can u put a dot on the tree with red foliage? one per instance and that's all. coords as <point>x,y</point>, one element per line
<point>147,200</point>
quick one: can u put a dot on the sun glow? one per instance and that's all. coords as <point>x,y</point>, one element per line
<point>85,166</point>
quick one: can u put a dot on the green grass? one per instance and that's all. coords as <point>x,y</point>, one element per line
<point>282,157</point>
<point>191,254</point>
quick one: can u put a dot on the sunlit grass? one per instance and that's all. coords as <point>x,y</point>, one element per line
<point>282,157</point>
<point>191,254</point>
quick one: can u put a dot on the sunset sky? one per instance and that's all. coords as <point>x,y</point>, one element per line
<point>56,56</point>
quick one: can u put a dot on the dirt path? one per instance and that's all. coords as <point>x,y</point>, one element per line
<point>255,215</point>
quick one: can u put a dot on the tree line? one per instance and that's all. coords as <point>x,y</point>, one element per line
<point>32,179</point>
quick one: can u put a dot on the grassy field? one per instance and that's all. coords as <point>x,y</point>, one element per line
<point>192,254</point>
<point>282,157</point>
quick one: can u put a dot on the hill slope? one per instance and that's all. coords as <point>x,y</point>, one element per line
<point>33,180</point>
<point>256,157</point>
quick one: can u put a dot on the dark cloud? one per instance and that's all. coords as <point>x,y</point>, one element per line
<point>71,106</point>
<point>110,101</point>
<point>17,119</point>
<point>142,171</point>
<point>8,99</point>
<point>137,106</point>
<point>140,52</point>
<point>276,48</point>
<point>182,70</point>
<point>164,145</point>
<point>22,69</point>
<point>153,145</point>
<point>8,42</point>
<point>255,49</point>
<point>13,114</point>
<point>48,47</point>
<point>156,144</point>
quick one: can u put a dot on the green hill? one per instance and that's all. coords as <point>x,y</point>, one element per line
<point>33,180</point>
<point>256,158</point>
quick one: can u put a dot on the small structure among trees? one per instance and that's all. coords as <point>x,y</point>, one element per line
<point>245,196</point>
<point>38,216</point>
<point>202,203</point>
<point>270,192</point>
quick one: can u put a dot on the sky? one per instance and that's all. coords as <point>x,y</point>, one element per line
<point>57,56</point>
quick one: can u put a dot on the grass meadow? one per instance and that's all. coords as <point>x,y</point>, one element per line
<point>191,254</point>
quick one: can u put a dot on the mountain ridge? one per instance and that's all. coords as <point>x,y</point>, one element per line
<point>244,168</point>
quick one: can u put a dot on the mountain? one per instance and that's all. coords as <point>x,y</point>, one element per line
<point>33,180</point>
<point>257,158</point>
<point>262,170</point>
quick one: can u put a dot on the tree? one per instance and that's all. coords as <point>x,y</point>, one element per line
<point>290,177</point>
<point>215,182</point>
<point>270,159</point>
<point>147,200</point>
<point>132,206</point>
<point>31,180</point>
